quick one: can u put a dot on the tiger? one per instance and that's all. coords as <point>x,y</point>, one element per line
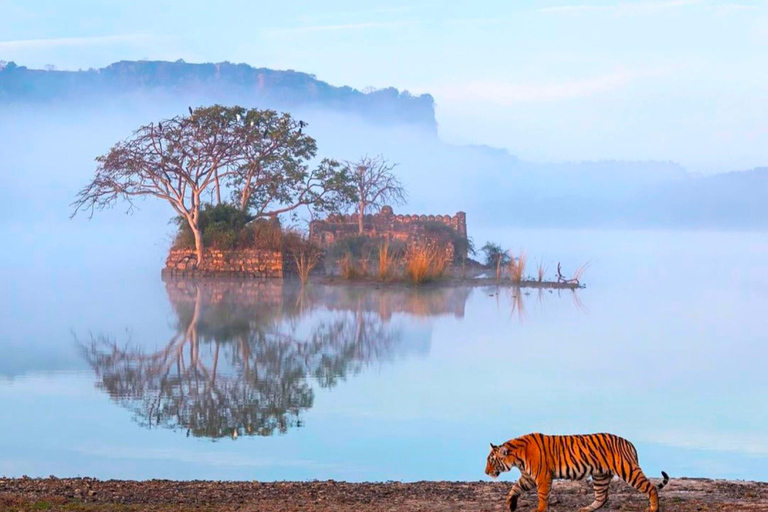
<point>541,458</point>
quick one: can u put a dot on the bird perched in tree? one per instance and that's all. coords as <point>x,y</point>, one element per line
<point>190,110</point>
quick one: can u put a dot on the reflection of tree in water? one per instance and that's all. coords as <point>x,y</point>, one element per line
<point>245,352</point>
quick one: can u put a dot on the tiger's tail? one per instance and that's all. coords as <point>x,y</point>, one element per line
<point>664,482</point>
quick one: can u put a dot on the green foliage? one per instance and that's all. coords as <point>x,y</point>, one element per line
<point>356,246</point>
<point>444,234</point>
<point>224,226</point>
<point>464,245</point>
<point>492,253</point>
<point>272,174</point>
<point>438,229</point>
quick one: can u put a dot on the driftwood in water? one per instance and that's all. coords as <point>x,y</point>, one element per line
<point>562,279</point>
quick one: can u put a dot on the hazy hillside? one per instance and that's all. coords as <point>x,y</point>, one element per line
<point>222,81</point>
<point>54,123</point>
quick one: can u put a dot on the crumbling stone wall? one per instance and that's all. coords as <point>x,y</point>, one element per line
<point>385,224</point>
<point>241,263</point>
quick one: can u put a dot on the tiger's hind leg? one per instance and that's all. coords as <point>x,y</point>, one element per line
<point>600,483</point>
<point>637,479</point>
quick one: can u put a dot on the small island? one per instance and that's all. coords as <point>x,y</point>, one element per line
<point>239,181</point>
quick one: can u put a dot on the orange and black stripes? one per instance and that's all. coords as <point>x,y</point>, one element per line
<point>542,458</point>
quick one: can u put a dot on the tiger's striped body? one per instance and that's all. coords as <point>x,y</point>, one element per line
<point>542,458</point>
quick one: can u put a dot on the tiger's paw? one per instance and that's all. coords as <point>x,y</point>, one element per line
<point>593,507</point>
<point>512,503</point>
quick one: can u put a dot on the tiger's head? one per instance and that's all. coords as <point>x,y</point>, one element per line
<point>499,461</point>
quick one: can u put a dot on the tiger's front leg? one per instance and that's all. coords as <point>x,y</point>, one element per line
<point>543,486</point>
<point>524,483</point>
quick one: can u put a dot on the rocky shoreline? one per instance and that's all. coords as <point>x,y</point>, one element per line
<point>87,494</point>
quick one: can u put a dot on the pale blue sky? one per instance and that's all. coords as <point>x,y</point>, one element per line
<point>682,80</point>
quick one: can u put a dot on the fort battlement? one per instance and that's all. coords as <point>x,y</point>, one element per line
<point>385,224</point>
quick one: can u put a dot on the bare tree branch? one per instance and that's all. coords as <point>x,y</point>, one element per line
<point>376,185</point>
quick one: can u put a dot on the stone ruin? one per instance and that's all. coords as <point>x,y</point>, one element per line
<point>409,229</point>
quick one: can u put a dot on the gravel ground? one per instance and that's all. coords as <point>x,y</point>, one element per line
<point>86,494</point>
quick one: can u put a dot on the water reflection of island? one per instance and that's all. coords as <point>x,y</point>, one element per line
<point>246,353</point>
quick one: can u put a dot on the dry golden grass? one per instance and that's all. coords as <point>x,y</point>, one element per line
<point>579,273</point>
<point>541,270</point>
<point>388,261</point>
<point>306,261</point>
<point>347,267</point>
<point>306,256</point>
<point>364,263</point>
<point>425,262</point>
<point>517,267</point>
<point>417,265</point>
<point>440,263</point>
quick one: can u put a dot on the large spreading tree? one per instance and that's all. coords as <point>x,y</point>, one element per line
<point>262,157</point>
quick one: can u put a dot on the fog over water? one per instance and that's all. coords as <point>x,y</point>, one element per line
<point>654,348</point>
<point>666,345</point>
<point>48,152</point>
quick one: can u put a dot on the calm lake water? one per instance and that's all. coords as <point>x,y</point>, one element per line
<point>120,375</point>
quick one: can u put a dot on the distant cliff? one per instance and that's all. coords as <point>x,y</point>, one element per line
<point>90,110</point>
<point>223,82</point>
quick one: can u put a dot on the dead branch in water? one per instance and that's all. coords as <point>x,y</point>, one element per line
<point>576,275</point>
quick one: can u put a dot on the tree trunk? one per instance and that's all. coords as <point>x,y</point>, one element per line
<point>194,224</point>
<point>218,188</point>
<point>359,328</point>
<point>198,244</point>
<point>245,354</point>
<point>360,217</point>
<point>215,364</point>
<point>244,197</point>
